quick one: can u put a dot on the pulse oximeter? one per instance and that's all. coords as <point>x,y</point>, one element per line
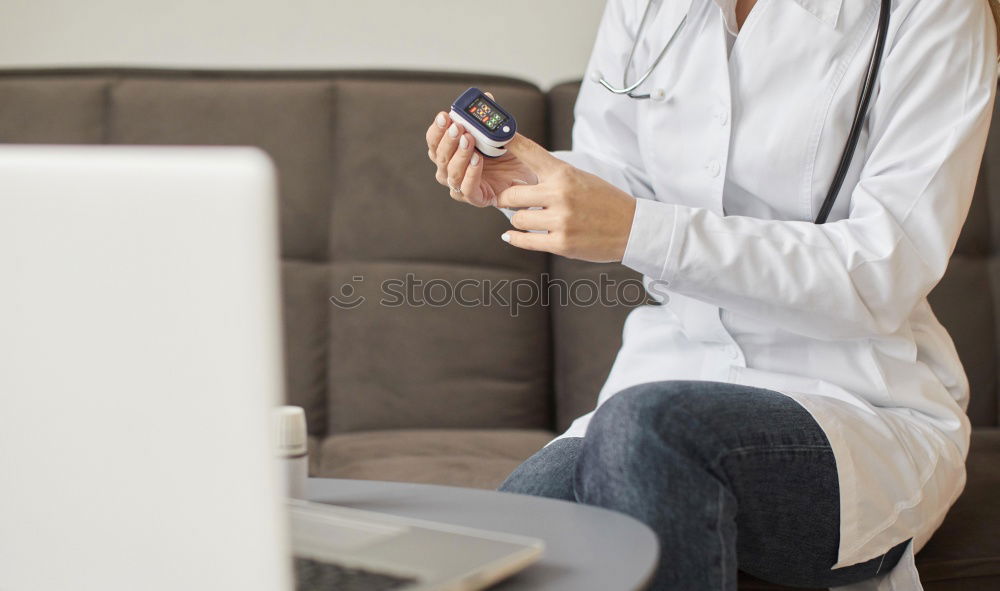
<point>485,120</point>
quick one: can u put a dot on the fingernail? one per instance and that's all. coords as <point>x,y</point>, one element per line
<point>440,120</point>
<point>453,131</point>
<point>464,143</point>
<point>505,237</point>
<point>475,160</point>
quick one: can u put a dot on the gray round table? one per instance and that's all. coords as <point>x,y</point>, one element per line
<point>585,547</point>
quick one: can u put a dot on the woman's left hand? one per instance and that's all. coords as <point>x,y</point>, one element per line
<point>585,217</point>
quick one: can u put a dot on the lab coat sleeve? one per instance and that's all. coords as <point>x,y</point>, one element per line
<point>863,275</point>
<point>599,114</point>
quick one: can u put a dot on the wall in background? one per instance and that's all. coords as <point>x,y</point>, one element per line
<point>543,41</point>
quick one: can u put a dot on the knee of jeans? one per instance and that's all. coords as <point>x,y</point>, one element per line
<point>640,410</point>
<point>615,434</point>
<point>524,478</point>
<point>512,483</point>
<point>644,415</point>
<point>548,472</point>
<point>622,412</point>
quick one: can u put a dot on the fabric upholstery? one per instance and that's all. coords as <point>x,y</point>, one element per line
<point>290,119</point>
<point>456,394</point>
<point>979,241</point>
<point>431,365</point>
<point>305,290</point>
<point>45,110</point>
<point>964,302</point>
<point>408,366</point>
<point>561,99</point>
<point>456,457</point>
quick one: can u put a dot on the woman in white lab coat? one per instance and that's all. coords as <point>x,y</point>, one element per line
<point>791,407</point>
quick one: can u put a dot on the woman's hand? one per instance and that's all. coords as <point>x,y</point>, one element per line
<point>469,176</point>
<point>584,216</point>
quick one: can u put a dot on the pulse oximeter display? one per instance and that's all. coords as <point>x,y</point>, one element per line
<point>481,109</point>
<point>487,121</point>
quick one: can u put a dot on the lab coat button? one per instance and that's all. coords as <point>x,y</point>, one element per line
<point>658,94</point>
<point>722,115</point>
<point>714,168</point>
<point>734,352</point>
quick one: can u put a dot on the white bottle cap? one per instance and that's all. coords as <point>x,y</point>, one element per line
<point>290,439</point>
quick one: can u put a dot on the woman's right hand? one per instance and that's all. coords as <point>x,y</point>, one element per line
<point>469,176</point>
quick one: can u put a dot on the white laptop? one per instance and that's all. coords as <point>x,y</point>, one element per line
<point>140,358</point>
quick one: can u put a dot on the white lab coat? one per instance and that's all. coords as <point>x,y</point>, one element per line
<point>730,163</point>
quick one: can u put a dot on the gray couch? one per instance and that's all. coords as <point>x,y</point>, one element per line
<point>454,394</point>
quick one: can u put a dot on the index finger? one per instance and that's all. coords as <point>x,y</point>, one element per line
<point>537,158</point>
<point>523,196</point>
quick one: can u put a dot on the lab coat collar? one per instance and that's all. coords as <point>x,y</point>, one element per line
<point>827,11</point>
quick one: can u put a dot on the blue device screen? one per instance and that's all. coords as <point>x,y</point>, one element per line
<point>482,110</point>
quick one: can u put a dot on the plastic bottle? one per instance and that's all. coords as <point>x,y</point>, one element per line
<point>291,449</point>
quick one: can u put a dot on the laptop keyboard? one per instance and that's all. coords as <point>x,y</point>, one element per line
<point>313,575</point>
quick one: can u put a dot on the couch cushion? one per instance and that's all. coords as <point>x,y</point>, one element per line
<point>290,119</point>
<point>438,362</point>
<point>43,109</point>
<point>305,289</point>
<point>561,100</point>
<point>472,458</point>
<point>963,302</point>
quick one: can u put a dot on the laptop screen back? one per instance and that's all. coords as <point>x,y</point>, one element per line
<point>139,359</point>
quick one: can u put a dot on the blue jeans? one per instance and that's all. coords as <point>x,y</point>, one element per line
<point>727,476</point>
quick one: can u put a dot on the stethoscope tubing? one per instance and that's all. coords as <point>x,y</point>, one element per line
<point>857,125</point>
<point>864,103</point>
<point>628,88</point>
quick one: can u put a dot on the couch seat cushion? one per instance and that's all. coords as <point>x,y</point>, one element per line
<point>477,458</point>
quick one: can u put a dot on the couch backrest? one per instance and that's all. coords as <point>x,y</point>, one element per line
<point>359,208</point>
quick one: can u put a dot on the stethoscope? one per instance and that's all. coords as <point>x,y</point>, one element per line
<point>867,91</point>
